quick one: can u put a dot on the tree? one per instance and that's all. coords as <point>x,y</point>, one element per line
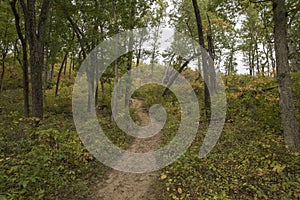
<point>289,122</point>
<point>131,24</point>
<point>293,7</point>
<point>25,63</point>
<point>35,31</point>
<point>204,60</point>
<point>7,37</point>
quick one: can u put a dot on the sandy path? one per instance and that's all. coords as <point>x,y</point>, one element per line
<point>129,186</point>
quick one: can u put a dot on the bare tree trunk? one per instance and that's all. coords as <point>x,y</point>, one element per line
<point>266,52</point>
<point>130,56</point>
<point>199,78</point>
<point>59,74</point>
<point>73,61</point>
<point>253,62</point>
<point>211,50</point>
<point>65,66</point>
<point>46,73</point>
<point>4,52</point>
<point>116,67</point>
<point>138,57</point>
<point>52,67</point>
<point>271,51</point>
<point>129,67</point>
<point>2,73</point>
<point>35,30</point>
<point>250,67</point>
<point>204,59</point>
<point>257,57</point>
<point>25,58</point>
<point>71,65</point>
<point>155,39</point>
<point>288,117</point>
<point>293,57</point>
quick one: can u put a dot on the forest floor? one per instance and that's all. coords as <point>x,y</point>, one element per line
<point>46,159</point>
<point>130,186</point>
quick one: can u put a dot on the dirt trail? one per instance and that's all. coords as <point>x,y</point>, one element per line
<point>129,186</point>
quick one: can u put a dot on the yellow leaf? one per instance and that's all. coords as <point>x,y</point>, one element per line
<point>174,197</point>
<point>163,177</point>
<point>179,190</point>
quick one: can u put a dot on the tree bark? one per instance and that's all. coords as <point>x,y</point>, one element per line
<point>204,59</point>
<point>293,57</point>
<point>46,74</point>
<point>116,66</point>
<point>35,30</point>
<point>3,72</point>
<point>211,50</point>
<point>71,65</point>
<point>59,73</point>
<point>130,55</point>
<point>25,58</point>
<point>288,117</point>
<point>65,66</point>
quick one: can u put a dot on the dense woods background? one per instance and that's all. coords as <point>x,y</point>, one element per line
<point>43,43</point>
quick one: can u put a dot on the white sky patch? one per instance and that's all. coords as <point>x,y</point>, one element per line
<point>165,44</point>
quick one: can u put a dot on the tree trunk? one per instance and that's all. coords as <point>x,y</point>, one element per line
<point>257,57</point>
<point>266,52</point>
<point>116,67</point>
<point>288,118</point>
<point>52,67</point>
<point>46,73</point>
<point>129,67</point>
<point>293,57</point>
<point>211,50</point>
<point>25,58</point>
<point>253,62</point>
<point>59,74</point>
<point>250,67</point>
<point>65,66</point>
<point>204,59</point>
<point>2,73</point>
<point>35,30</point>
<point>130,55</point>
<point>271,50</point>
<point>137,64</point>
<point>71,65</point>
<point>153,55</point>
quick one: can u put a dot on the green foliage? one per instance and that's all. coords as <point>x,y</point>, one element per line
<point>39,159</point>
<point>250,160</point>
<point>46,159</point>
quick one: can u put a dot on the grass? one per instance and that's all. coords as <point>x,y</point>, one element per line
<point>46,159</point>
<point>250,161</point>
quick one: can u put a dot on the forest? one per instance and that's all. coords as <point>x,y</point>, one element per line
<point>154,100</point>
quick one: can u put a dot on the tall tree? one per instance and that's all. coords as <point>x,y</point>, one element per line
<point>7,37</point>
<point>204,59</point>
<point>24,57</point>
<point>130,54</point>
<point>289,122</point>
<point>35,31</point>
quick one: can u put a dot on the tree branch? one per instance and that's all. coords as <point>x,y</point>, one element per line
<point>179,72</point>
<point>260,1</point>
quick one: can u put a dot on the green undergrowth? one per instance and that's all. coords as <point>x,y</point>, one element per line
<point>45,159</point>
<point>250,160</point>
